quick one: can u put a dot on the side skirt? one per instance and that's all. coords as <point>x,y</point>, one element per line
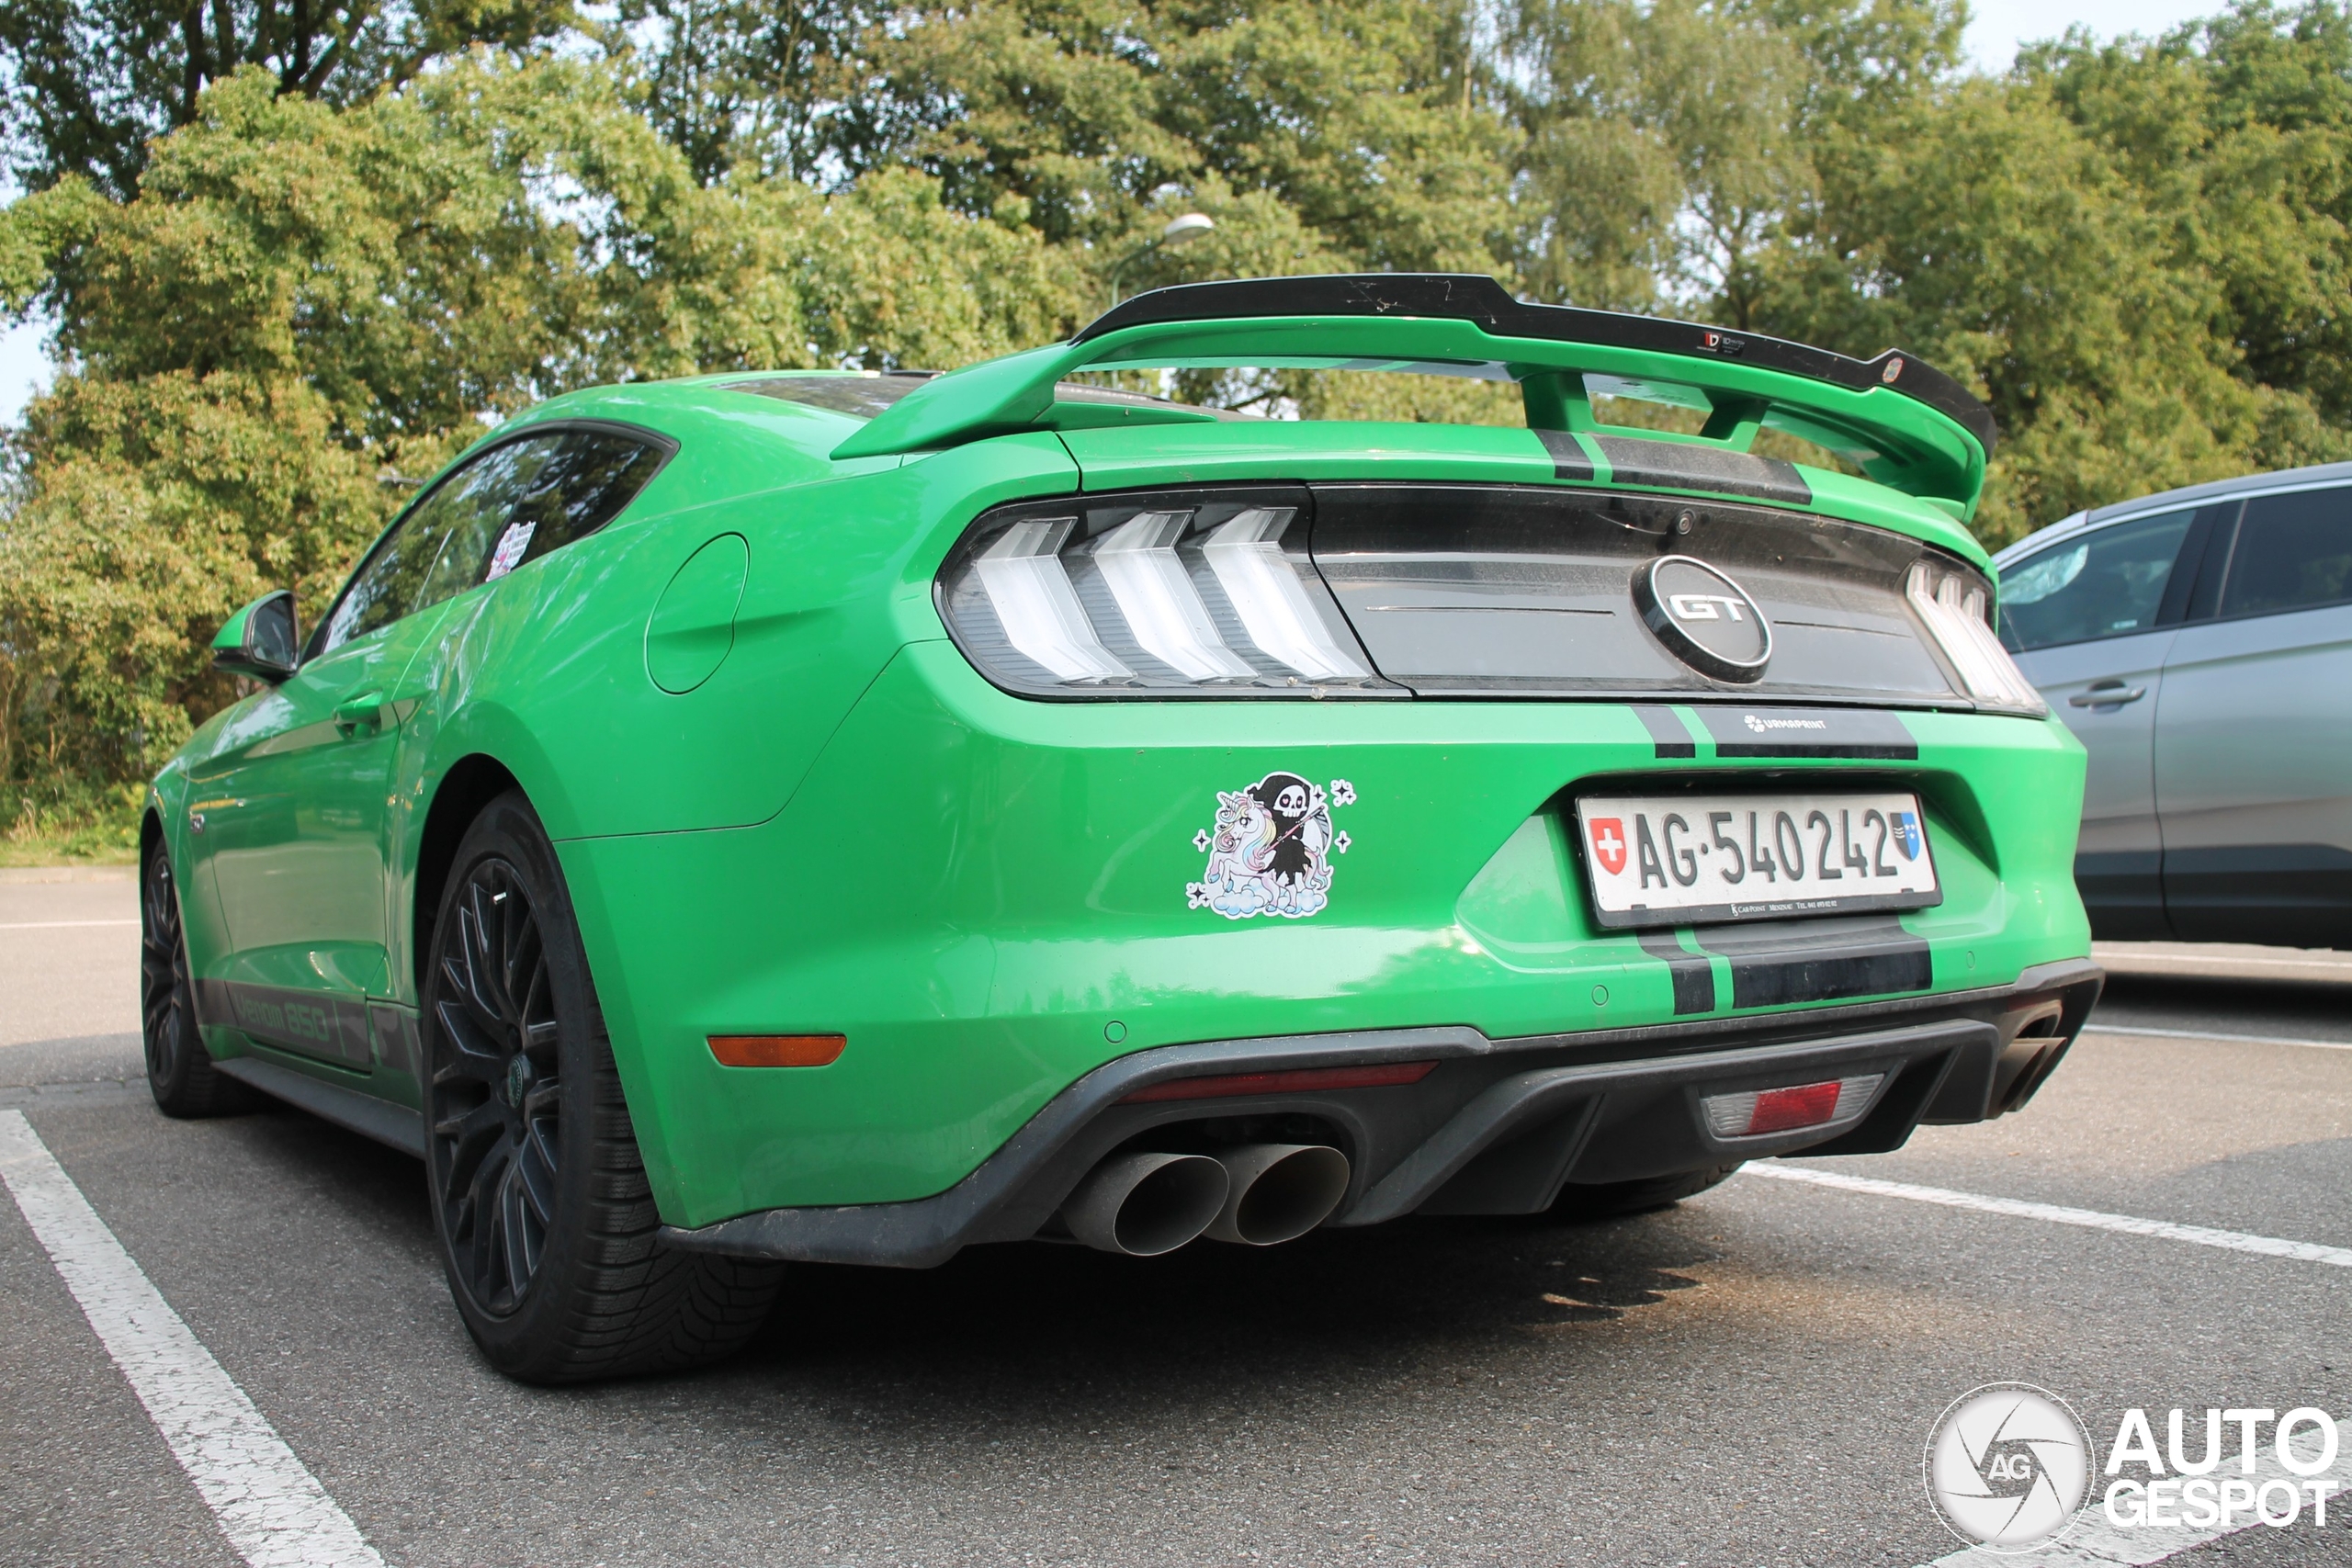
<point>394,1127</point>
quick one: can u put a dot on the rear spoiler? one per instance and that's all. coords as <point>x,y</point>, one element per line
<point>1906,424</point>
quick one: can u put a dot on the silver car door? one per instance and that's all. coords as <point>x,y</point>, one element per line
<point>2085,619</point>
<point>2254,736</point>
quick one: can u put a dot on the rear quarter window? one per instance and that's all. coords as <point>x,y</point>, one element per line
<point>507,507</point>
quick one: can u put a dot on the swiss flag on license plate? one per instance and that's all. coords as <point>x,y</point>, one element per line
<point>1609,842</point>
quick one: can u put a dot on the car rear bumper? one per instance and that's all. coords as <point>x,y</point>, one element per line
<point>994,898</point>
<point>1494,1127</point>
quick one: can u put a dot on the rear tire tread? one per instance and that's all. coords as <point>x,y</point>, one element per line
<point>625,1305</point>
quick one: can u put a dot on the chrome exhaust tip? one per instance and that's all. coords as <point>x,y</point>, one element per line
<point>1141,1205</point>
<point>1277,1192</point>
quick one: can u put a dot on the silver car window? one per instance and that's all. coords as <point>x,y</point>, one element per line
<point>2107,584</point>
<point>2293,552</point>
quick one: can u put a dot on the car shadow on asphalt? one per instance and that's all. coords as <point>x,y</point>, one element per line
<point>1024,1327</point>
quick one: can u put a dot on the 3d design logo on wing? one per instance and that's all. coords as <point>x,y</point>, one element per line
<point>1270,850</point>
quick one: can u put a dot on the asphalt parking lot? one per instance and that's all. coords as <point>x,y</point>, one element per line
<point>1747,1379</point>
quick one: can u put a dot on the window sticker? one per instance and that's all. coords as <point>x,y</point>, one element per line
<point>1270,850</point>
<point>509,554</point>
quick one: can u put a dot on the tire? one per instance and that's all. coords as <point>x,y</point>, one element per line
<point>1614,1200</point>
<point>539,1196</point>
<point>180,1073</point>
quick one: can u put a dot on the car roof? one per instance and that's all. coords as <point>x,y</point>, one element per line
<point>2165,500</point>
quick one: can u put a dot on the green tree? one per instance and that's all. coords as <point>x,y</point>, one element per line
<point>306,309</point>
<point>1316,132</point>
<point>84,84</point>
<point>1660,153</point>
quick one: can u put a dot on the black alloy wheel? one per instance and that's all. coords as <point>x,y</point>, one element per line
<point>180,1074</point>
<point>546,1219</point>
<point>497,1088</point>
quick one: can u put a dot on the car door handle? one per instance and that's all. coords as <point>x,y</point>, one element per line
<point>2105,693</point>
<point>362,715</point>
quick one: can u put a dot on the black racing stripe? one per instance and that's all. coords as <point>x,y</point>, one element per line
<point>1774,963</point>
<point>1694,974</point>
<point>332,1027</point>
<point>1569,458</point>
<point>1764,730</point>
<point>1673,740</point>
<point>1675,465</point>
<point>395,1030</point>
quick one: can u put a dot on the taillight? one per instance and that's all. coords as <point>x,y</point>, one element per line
<point>1760,1111</point>
<point>1951,605</point>
<point>1207,594</point>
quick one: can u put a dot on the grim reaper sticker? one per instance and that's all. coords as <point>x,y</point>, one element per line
<point>1270,852</point>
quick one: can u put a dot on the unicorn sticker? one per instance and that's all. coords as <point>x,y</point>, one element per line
<point>1270,850</point>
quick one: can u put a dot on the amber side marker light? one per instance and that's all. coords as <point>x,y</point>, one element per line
<point>1229,1084</point>
<point>778,1050</point>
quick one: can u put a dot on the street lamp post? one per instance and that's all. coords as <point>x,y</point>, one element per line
<point>1180,231</point>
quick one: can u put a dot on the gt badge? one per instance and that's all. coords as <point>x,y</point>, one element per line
<point>1609,844</point>
<point>1270,850</point>
<point>1704,618</point>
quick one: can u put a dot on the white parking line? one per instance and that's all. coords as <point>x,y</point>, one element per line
<point>2019,1208</point>
<point>271,1507</point>
<point>58,925</point>
<point>2208,1034</point>
<point>2231,962</point>
<point>2096,1541</point>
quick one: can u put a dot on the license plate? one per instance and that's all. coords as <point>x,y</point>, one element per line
<point>1693,859</point>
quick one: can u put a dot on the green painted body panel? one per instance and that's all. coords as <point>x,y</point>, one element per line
<point>972,887</point>
<point>785,802</point>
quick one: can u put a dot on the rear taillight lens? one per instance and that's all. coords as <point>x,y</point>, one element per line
<point>1951,604</point>
<point>1761,1112</point>
<point>1190,593</point>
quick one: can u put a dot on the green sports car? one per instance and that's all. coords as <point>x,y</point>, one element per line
<point>851,817</point>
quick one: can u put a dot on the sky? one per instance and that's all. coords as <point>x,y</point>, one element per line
<point>1998,27</point>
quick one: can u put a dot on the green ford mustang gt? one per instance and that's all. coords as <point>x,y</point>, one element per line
<point>848,816</point>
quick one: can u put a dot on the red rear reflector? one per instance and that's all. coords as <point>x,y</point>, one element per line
<point>1759,1111</point>
<point>1230,1084</point>
<point>1778,1109</point>
<point>778,1050</point>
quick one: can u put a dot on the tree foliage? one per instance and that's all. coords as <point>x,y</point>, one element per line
<point>296,257</point>
<point>307,308</point>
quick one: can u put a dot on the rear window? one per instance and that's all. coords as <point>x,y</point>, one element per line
<point>861,395</point>
<point>864,394</point>
<point>2294,552</point>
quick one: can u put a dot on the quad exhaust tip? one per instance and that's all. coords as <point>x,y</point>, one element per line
<point>1141,1205</point>
<point>1277,1192</point>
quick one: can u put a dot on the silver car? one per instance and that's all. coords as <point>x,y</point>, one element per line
<point>2199,643</point>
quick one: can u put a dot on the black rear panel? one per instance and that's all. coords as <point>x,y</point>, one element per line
<point>1502,590</point>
